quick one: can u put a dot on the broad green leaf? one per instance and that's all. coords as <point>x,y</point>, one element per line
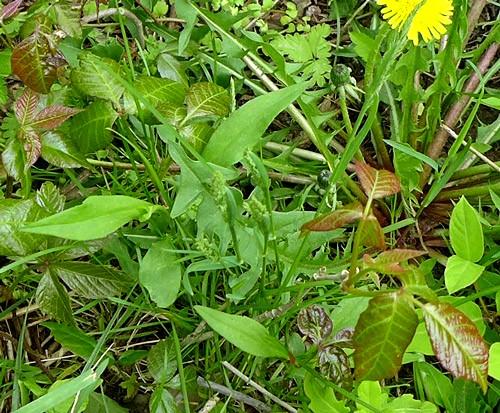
<point>371,392</point>
<point>13,159</point>
<point>494,361</point>
<point>96,218</point>
<point>371,233</point>
<point>31,64</point>
<point>376,183</point>
<point>466,233</point>
<point>436,385</point>
<point>206,100</point>
<point>68,18</point>
<point>90,280</point>
<point>98,77</point>
<point>457,342</point>
<point>384,331</point>
<point>460,273</point>
<point>49,198</point>
<point>59,150</point>
<point>162,401</point>
<point>100,403</point>
<point>89,129</point>
<point>72,339</point>
<point>322,397</point>
<point>66,405</point>
<point>336,219</point>
<point>162,361</point>
<point>160,273</point>
<point>170,68</point>
<point>53,299</point>
<point>13,215</point>
<point>406,403</point>
<point>244,128</point>
<point>243,332</point>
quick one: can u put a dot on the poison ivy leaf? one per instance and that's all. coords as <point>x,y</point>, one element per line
<point>68,18</point>
<point>59,150</point>
<point>322,397</point>
<point>99,77</point>
<point>97,217</point>
<point>90,128</point>
<point>160,273</point>
<point>457,343</point>
<point>389,262</point>
<point>13,159</point>
<point>494,361</point>
<point>53,299</point>
<point>13,215</point>
<point>49,198</point>
<point>32,145</point>
<point>336,219</point>
<point>243,332</point>
<point>10,9</point>
<point>371,233</point>
<point>53,116</point>
<point>314,323</point>
<point>162,361</point>
<point>90,280</point>
<point>334,364</point>
<point>72,339</point>
<point>376,183</point>
<point>466,233</point>
<point>31,63</point>
<point>460,273</point>
<point>205,100</point>
<point>26,105</point>
<point>246,125</point>
<point>383,333</point>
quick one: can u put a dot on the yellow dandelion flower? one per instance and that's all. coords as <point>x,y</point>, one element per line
<point>430,19</point>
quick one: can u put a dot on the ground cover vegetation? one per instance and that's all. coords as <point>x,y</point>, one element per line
<point>228,206</point>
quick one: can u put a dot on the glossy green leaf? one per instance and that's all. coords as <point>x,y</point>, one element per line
<point>49,198</point>
<point>466,233</point>
<point>243,332</point>
<point>494,361</point>
<point>384,331</point>
<point>90,128</point>
<point>460,273</point>
<point>13,159</point>
<point>100,403</point>
<point>160,273</point>
<point>322,398</point>
<point>90,280</point>
<point>72,339</point>
<point>97,217</point>
<point>170,68</point>
<point>59,150</point>
<point>162,361</point>
<point>206,100</point>
<point>457,342</point>
<point>98,77</point>
<point>244,128</point>
<point>53,299</point>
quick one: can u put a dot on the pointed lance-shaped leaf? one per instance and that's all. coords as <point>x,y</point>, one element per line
<point>10,9</point>
<point>53,116</point>
<point>388,262</point>
<point>336,219</point>
<point>377,183</point>
<point>32,146</point>
<point>382,334</point>
<point>371,233</point>
<point>25,106</point>
<point>457,343</point>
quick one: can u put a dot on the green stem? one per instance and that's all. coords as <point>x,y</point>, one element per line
<point>182,378</point>
<point>474,191</point>
<point>473,171</point>
<point>379,144</point>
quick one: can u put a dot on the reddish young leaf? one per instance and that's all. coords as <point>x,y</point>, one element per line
<point>336,219</point>
<point>457,343</point>
<point>26,105</point>
<point>32,146</point>
<point>378,183</point>
<point>393,268</point>
<point>372,234</point>
<point>53,116</point>
<point>398,255</point>
<point>382,334</point>
<point>30,63</point>
<point>10,9</point>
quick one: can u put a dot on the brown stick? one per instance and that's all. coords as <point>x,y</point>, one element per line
<point>475,14</point>
<point>455,112</point>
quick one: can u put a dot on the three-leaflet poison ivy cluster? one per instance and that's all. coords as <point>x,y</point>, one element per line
<point>249,206</point>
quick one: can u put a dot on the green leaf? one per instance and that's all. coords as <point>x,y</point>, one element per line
<point>322,397</point>
<point>59,150</point>
<point>185,11</point>
<point>160,273</point>
<point>383,333</point>
<point>408,150</point>
<point>244,128</point>
<point>49,198</point>
<point>162,401</point>
<point>494,361</point>
<point>72,339</point>
<point>371,233</point>
<point>96,218</point>
<point>370,392</point>
<point>90,128</point>
<point>100,403</point>
<point>466,233</point>
<point>170,68</point>
<point>98,77</point>
<point>206,100</point>
<point>243,332</point>
<point>90,280</point>
<point>460,273</point>
<point>162,361</point>
<point>31,64</point>
<point>457,342</point>
<point>53,299</point>
<point>13,159</point>
<point>68,18</point>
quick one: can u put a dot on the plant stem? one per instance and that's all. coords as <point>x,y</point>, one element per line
<point>182,378</point>
<point>482,190</point>
<point>472,171</point>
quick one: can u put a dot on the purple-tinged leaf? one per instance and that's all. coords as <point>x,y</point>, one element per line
<point>382,334</point>
<point>336,219</point>
<point>32,146</point>
<point>457,343</point>
<point>315,323</point>
<point>377,183</point>
<point>26,105</point>
<point>53,116</point>
<point>10,9</point>
<point>30,63</point>
<point>388,262</point>
<point>334,365</point>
